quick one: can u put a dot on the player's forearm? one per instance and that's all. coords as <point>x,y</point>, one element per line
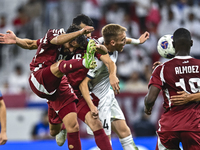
<point>101,49</point>
<point>26,43</point>
<point>112,69</point>
<point>64,38</point>
<point>194,97</point>
<point>132,41</point>
<point>3,116</point>
<point>86,94</point>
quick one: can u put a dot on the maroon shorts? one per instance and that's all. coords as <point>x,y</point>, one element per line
<point>57,117</point>
<point>171,140</point>
<point>82,107</point>
<point>57,90</point>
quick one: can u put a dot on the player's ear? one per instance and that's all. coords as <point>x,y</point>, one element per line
<point>112,42</point>
<point>191,43</point>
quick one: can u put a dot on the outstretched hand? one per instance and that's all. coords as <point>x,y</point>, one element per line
<point>181,99</point>
<point>8,38</point>
<point>144,37</point>
<point>87,29</point>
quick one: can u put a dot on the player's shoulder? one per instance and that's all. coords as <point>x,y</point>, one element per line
<point>56,31</point>
<point>98,40</point>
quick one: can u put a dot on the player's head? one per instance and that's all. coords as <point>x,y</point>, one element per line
<point>79,41</point>
<point>114,36</point>
<point>182,41</point>
<point>82,21</point>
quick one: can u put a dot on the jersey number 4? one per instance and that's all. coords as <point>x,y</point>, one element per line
<point>105,125</point>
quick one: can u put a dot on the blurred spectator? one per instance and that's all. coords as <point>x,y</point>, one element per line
<point>144,127</point>
<point>52,16</point>
<point>154,15</point>
<point>123,66</point>
<point>41,129</point>
<point>18,80</point>
<point>170,5</point>
<point>4,26</point>
<point>135,84</point>
<point>114,14</point>
<point>88,8</point>
<point>33,8</point>
<point>193,25</point>
<point>21,19</point>
<point>169,25</point>
<point>133,29</point>
<point>142,10</point>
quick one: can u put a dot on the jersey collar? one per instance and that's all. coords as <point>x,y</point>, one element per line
<point>183,57</point>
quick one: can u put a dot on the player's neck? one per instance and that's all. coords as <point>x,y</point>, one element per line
<point>110,48</point>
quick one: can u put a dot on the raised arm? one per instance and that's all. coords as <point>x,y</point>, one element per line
<point>11,38</point>
<point>3,135</point>
<point>112,69</point>
<point>141,39</point>
<point>64,38</point>
<point>85,92</point>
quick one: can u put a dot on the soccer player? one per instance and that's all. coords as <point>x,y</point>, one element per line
<point>178,123</point>
<point>110,114</point>
<point>3,135</point>
<point>103,143</point>
<point>47,79</point>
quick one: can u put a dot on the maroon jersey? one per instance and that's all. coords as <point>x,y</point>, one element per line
<point>75,78</point>
<point>47,53</point>
<point>178,74</point>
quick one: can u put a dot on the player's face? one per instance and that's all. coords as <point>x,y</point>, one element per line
<point>70,46</point>
<point>82,25</point>
<point>120,42</point>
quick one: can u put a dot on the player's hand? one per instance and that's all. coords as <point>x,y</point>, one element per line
<point>3,138</point>
<point>101,49</point>
<point>147,110</point>
<point>156,64</point>
<point>9,38</point>
<point>144,37</point>
<point>94,112</point>
<point>114,82</point>
<point>181,99</point>
<point>87,30</point>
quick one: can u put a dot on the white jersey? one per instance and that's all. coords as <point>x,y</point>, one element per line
<point>100,82</point>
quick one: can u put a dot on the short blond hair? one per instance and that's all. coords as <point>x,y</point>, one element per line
<point>111,31</point>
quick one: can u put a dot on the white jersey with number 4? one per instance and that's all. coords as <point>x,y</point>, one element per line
<point>100,84</point>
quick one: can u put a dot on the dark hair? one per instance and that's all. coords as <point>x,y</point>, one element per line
<point>81,40</point>
<point>181,33</point>
<point>81,18</point>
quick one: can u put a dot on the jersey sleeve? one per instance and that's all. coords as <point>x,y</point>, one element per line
<point>92,73</point>
<point>1,96</point>
<point>39,41</point>
<point>155,79</point>
<point>54,33</point>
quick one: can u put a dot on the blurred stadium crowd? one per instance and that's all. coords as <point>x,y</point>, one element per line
<point>32,18</point>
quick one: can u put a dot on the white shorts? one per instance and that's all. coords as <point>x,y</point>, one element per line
<point>109,111</point>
